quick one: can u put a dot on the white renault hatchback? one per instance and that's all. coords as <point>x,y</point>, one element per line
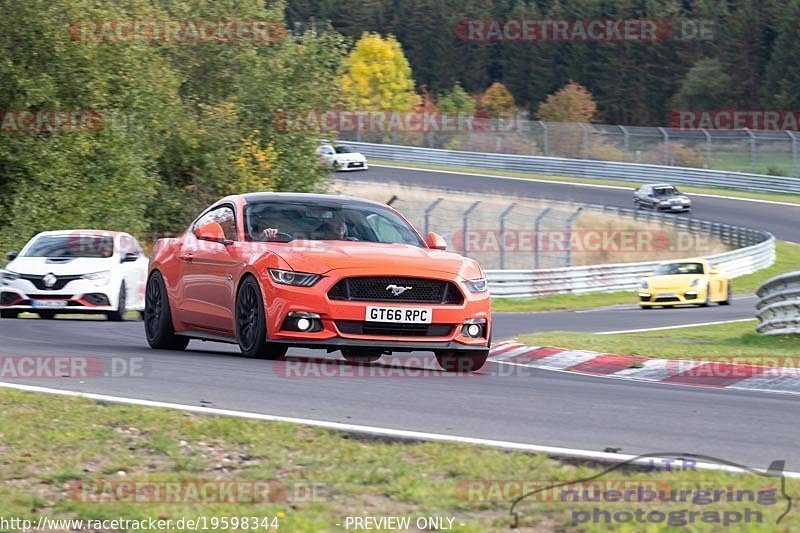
<point>76,271</point>
<point>341,157</point>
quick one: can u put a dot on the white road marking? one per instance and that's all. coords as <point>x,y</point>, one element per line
<point>566,359</point>
<point>658,369</point>
<point>590,185</point>
<point>662,328</point>
<point>403,434</point>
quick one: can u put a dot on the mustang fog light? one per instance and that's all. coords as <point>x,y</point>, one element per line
<point>304,322</point>
<point>474,328</point>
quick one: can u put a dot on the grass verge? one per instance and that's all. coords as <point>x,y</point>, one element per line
<point>717,191</point>
<point>733,341</point>
<point>787,259</point>
<point>55,450</point>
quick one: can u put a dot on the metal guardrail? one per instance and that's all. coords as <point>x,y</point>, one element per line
<point>779,305</point>
<point>582,168</point>
<point>615,277</point>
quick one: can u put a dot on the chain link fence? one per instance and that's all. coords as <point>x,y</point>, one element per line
<point>762,152</point>
<point>478,229</point>
<point>522,233</point>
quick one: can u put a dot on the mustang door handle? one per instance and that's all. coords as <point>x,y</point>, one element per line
<point>186,257</point>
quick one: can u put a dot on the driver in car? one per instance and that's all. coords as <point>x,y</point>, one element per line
<point>334,229</point>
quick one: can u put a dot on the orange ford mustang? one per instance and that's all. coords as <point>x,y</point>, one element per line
<point>274,270</point>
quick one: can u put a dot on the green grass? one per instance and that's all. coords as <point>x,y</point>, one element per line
<point>560,302</point>
<point>737,340</point>
<point>763,164</point>
<point>773,197</point>
<point>49,444</point>
<point>787,259</point>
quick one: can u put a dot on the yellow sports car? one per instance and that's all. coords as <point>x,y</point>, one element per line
<point>693,281</point>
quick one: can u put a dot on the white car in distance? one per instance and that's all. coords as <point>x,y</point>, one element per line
<point>75,271</point>
<point>341,157</point>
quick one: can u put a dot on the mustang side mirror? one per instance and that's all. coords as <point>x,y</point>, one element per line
<point>212,232</point>
<point>714,271</point>
<point>436,241</point>
<point>12,255</point>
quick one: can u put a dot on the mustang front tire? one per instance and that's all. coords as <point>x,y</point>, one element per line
<point>251,324</point>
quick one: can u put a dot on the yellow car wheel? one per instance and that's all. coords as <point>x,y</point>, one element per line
<point>729,298</point>
<point>708,296</point>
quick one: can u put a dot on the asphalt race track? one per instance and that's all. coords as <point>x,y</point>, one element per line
<point>502,402</point>
<point>622,318</point>
<point>782,221</point>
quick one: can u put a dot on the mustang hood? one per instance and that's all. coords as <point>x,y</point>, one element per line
<point>674,282</point>
<point>399,259</point>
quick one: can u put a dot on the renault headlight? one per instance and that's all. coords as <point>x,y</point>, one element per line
<point>290,277</point>
<point>478,285</point>
<point>695,283</point>
<point>6,276</point>
<point>99,278</point>
<point>644,285</point>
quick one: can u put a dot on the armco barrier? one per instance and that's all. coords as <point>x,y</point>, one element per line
<point>779,305</point>
<point>616,277</point>
<point>581,168</point>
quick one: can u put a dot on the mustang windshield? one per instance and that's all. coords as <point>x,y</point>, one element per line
<point>674,269</point>
<point>278,221</point>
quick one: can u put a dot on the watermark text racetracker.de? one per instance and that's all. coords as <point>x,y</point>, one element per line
<point>364,121</point>
<point>394,366</point>
<point>630,30</point>
<point>197,491</point>
<point>28,121</point>
<point>492,240</point>
<point>734,119</point>
<point>72,367</point>
<point>177,31</point>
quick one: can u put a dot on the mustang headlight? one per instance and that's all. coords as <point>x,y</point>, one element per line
<point>296,279</point>
<point>99,278</point>
<point>478,285</point>
<point>695,283</point>
<point>644,285</point>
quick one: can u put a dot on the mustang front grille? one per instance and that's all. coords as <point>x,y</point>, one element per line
<point>397,289</point>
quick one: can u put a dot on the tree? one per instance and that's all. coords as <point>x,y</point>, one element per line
<point>457,101</point>
<point>572,103</point>
<point>184,124</point>
<point>377,76</point>
<point>783,70</point>
<point>498,102</point>
<point>706,86</point>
